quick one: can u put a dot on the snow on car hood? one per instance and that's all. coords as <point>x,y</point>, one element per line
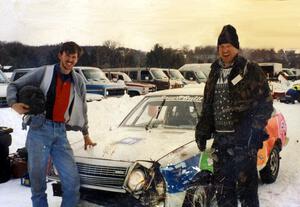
<point>3,88</point>
<point>131,144</point>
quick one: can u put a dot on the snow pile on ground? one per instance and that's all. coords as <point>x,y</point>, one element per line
<point>108,113</point>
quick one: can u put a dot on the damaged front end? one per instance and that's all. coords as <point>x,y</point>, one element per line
<point>145,182</point>
<point>141,180</point>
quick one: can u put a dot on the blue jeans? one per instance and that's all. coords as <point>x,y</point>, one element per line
<point>50,140</point>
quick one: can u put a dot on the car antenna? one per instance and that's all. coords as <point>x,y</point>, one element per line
<point>158,112</point>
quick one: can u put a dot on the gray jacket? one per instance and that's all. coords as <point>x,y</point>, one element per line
<point>41,77</point>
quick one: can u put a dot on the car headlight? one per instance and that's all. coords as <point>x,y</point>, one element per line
<point>136,180</point>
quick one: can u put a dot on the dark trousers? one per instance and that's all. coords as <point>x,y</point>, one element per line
<point>235,173</point>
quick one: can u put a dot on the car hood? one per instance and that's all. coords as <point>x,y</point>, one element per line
<point>3,87</point>
<point>131,144</point>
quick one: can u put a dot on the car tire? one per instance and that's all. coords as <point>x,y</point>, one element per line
<point>200,196</point>
<point>270,172</point>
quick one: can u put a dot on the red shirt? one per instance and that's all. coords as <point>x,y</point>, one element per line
<point>62,97</point>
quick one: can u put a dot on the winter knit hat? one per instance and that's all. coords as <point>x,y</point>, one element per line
<point>229,35</point>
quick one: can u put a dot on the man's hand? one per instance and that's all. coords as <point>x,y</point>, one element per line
<point>20,108</point>
<point>88,143</point>
<point>201,146</point>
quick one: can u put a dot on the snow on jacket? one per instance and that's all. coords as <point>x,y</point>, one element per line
<point>41,77</point>
<point>251,99</point>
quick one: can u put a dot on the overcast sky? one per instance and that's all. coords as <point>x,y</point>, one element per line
<point>140,24</point>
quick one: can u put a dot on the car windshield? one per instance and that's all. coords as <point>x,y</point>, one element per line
<point>158,74</point>
<point>175,112</point>
<point>94,75</point>
<point>288,72</point>
<point>200,75</point>
<point>176,75</point>
<point>126,77</point>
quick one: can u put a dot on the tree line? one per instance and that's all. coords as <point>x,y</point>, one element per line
<point>111,55</point>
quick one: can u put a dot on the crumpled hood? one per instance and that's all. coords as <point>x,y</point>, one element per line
<point>130,144</point>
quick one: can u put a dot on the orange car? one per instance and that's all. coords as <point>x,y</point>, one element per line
<point>268,157</point>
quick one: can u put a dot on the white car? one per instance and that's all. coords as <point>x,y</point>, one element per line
<point>152,156</point>
<point>3,86</point>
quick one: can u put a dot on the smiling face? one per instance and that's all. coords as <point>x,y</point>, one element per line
<point>67,61</point>
<point>227,52</point>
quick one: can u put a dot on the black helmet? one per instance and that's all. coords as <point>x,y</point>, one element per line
<point>33,97</point>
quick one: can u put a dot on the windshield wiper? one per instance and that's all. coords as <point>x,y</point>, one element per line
<point>158,112</point>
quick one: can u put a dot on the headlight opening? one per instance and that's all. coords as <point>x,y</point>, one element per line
<point>136,180</point>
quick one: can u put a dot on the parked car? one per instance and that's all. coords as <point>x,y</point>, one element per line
<point>18,73</point>
<point>149,75</point>
<point>97,83</point>
<point>8,75</point>
<point>152,156</point>
<point>175,74</point>
<point>3,86</point>
<point>290,74</point>
<point>195,71</point>
<point>133,88</point>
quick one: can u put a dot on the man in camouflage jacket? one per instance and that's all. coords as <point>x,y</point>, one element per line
<point>237,104</point>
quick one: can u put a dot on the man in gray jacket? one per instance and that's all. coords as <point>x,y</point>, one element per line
<point>65,108</point>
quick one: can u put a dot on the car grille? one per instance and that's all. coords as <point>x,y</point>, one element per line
<point>102,176</point>
<point>114,92</point>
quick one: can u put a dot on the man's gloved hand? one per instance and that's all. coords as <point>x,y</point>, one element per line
<point>201,144</point>
<point>260,136</point>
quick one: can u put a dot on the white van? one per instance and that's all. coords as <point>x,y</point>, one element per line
<point>195,71</point>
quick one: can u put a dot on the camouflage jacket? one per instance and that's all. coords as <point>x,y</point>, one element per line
<point>251,99</point>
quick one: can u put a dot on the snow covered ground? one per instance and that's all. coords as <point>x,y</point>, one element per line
<point>108,113</point>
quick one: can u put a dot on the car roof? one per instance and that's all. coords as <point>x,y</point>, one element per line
<point>191,90</point>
